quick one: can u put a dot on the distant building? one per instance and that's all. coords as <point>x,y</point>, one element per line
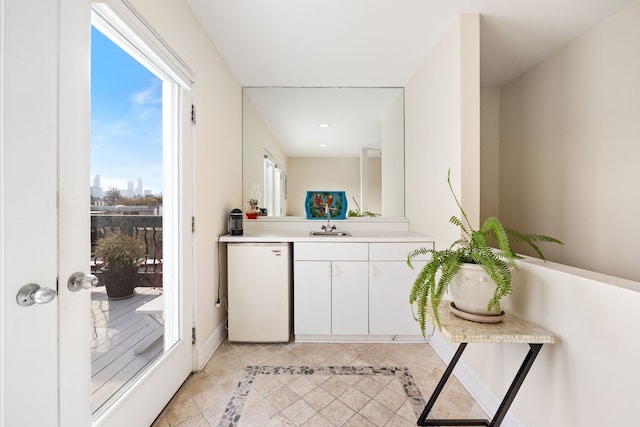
<point>129,191</point>
<point>96,188</point>
<point>138,190</point>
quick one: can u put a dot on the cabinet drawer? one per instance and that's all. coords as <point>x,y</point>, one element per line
<point>396,251</point>
<point>331,251</point>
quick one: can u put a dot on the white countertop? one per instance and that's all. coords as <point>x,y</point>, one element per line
<point>364,236</point>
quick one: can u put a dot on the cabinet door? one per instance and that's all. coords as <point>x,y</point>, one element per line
<point>389,286</point>
<point>349,298</point>
<point>312,298</point>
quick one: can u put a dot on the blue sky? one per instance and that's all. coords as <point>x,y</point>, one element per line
<point>126,118</point>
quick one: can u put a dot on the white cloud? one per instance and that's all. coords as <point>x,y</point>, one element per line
<point>128,144</point>
<point>149,95</point>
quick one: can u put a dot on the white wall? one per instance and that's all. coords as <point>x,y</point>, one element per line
<point>376,196</point>
<point>323,174</point>
<point>489,152</point>
<point>436,101</point>
<point>393,161</point>
<point>256,137</point>
<point>569,148</point>
<point>371,177</point>
<point>470,116</point>
<point>588,378</point>
<point>218,150</point>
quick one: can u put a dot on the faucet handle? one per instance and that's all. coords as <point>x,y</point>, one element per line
<point>324,227</point>
<point>333,227</point>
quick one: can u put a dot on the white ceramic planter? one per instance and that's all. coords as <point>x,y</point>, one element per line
<point>471,290</point>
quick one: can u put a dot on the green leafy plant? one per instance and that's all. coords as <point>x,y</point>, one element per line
<point>120,251</point>
<point>358,213</point>
<point>475,247</point>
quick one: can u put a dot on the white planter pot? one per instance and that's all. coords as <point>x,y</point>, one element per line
<point>471,290</point>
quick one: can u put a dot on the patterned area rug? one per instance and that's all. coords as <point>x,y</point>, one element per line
<point>327,395</point>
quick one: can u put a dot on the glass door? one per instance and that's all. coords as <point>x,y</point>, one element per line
<point>140,240</point>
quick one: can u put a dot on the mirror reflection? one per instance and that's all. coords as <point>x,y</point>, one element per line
<point>323,139</point>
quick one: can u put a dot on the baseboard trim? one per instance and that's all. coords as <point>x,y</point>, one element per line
<point>487,400</point>
<point>396,339</point>
<point>205,351</point>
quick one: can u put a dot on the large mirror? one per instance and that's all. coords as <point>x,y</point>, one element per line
<point>323,139</point>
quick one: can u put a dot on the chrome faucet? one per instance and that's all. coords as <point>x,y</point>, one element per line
<point>328,228</point>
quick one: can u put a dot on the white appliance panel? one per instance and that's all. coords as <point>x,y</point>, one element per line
<point>259,292</point>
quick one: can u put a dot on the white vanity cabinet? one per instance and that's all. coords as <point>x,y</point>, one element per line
<point>390,281</point>
<point>349,298</point>
<point>359,290</point>
<point>312,297</point>
<point>330,288</point>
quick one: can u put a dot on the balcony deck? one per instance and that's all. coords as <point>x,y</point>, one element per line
<point>116,332</point>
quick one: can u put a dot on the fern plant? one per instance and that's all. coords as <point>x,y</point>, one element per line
<point>475,247</point>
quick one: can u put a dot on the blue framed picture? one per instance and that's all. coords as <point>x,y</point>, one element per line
<point>319,204</point>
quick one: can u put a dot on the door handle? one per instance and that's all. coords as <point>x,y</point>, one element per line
<point>79,281</point>
<point>34,294</point>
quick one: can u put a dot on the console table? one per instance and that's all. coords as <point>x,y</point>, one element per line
<point>510,330</point>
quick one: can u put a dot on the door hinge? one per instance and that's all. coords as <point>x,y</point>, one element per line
<point>193,335</point>
<point>193,224</point>
<point>193,114</point>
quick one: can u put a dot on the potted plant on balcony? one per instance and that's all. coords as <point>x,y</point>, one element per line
<point>478,274</point>
<point>122,255</point>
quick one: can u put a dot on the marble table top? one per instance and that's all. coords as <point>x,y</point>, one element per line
<point>511,330</point>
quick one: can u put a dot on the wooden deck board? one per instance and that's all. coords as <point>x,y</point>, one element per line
<point>128,368</point>
<point>108,355</point>
<point>117,330</point>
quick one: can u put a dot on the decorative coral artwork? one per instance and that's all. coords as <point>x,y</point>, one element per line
<point>322,204</point>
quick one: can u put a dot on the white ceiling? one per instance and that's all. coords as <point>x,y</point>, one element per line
<point>381,43</point>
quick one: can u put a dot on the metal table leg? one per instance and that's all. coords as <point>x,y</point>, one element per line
<point>515,385</point>
<point>504,405</point>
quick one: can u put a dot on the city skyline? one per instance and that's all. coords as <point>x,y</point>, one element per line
<point>126,118</point>
<point>133,189</point>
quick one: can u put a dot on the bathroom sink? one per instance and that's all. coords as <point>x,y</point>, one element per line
<point>330,233</point>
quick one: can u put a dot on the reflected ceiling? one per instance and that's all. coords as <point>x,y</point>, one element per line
<point>353,115</point>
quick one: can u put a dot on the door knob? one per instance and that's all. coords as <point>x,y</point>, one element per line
<point>33,294</point>
<point>79,281</point>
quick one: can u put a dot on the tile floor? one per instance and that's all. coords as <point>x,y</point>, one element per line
<point>316,384</point>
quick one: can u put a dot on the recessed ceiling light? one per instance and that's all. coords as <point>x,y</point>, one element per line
<point>324,125</point>
<point>323,145</point>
